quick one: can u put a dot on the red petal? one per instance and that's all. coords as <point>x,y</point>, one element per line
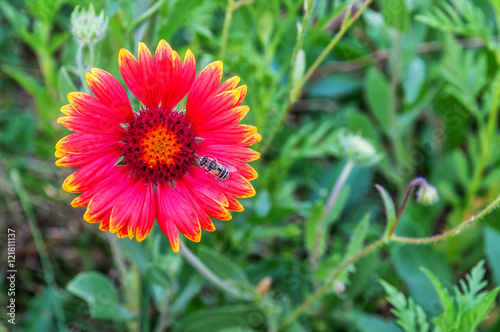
<point>175,210</point>
<point>90,107</point>
<point>90,126</point>
<point>109,91</point>
<point>205,222</point>
<point>115,175</point>
<point>174,79</point>
<point>140,76</point>
<point>203,86</point>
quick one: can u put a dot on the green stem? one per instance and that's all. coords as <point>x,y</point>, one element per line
<point>334,194</point>
<point>80,65</point>
<point>332,44</point>
<point>48,272</point>
<point>294,94</point>
<point>119,260</point>
<point>225,28</point>
<point>321,291</point>
<point>394,238</point>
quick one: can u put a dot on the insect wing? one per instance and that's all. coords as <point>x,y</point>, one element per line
<point>229,167</point>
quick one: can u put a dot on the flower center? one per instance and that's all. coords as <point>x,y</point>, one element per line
<point>159,146</point>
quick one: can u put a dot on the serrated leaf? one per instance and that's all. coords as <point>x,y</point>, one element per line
<point>390,210</point>
<point>411,316</point>
<point>100,294</point>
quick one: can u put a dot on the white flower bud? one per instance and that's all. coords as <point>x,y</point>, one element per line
<point>357,149</point>
<point>427,194</point>
<point>86,27</point>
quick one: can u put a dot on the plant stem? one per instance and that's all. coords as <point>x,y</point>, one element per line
<point>332,44</point>
<point>225,285</point>
<point>334,194</point>
<point>80,65</point>
<point>320,292</point>
<point>225,28</point>
<point>119,260</point>
<point>294,93</point>
<point>162,321</point>
<point>48,272</point>
<point>454,231</point>
<point>393,238</point>
<point>298,46</point>
<point>420,181</point>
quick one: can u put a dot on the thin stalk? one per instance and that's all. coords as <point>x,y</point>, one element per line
<point>362,253</point>
<point>334,194</point>
<point>162,321</point>
<point>225,285</point>
<point>48,272</point>
<point>80,65</point>
<point>225,28</point>
<point>119,260</point>
<point>420,181</point>
<point>328,285</point>
<point>332,44</point>
<point>297,48</point>
<point>454,231</point>
<point>299,86</point>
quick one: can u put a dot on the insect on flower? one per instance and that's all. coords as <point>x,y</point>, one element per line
<point>138,167</point>
<point>218,169</point>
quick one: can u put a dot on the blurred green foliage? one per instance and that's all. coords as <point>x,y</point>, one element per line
<point>420,80</point>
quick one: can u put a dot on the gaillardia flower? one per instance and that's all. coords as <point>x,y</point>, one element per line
<point>142,165</point>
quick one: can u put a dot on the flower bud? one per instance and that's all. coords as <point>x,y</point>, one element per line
<point>357,149</point>
<point>86,27</point>
<point>427,194</point>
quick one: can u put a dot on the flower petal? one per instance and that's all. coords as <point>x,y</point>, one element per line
<point>174,211</point>
<point>86,176</point>
<point>174,79</point>
<point>204,85</point>
<point>140,76</point>
<point>109,91</point>
<point>205,222</point>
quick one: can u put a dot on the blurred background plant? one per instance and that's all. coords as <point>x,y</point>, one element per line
<point>412,86</point>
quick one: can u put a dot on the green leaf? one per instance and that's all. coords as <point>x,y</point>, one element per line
<point>470,306</point>
<point>220,265</point>
<point>396,14</point>
<point>100,294</point>
<point>312,225</point>
<point>379,97</point>
<point>299,68</point>
<point>390,210</point>
<point>492,248</point>
<point>336,86</point>
<point>358,237</point>
<point>338,206</point>
<point>65,83</point>
<point>27,82</point>
<point>236,316</point>
<point>411,317</point>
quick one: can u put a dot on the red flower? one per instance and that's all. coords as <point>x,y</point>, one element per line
<point>135,167</point>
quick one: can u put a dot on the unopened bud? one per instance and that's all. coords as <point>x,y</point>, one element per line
<point>357,149</point>
<point>427,194</point>
<point>86,27</point>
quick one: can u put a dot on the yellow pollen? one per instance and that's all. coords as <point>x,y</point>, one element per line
<point>159,147</point>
